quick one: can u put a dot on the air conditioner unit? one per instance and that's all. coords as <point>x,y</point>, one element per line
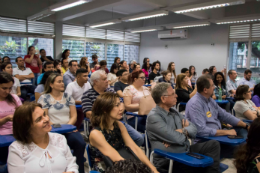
<point>173,34</point>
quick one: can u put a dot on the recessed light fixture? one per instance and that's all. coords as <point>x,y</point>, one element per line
<point>146,15</point>
<point>207,5</point>
<point>148,30</point>
<point>235,20</point>
<point>190,26</point>
<point>68,4</point>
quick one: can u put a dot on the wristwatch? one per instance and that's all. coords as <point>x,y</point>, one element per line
<point>185,132</point>
<point>246,126</point>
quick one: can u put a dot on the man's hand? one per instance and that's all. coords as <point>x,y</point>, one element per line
<point>231,132</point>
<point>185,123</point>
<point>224,97</point>
<point>214,97</point>
<point>166,144</point>
<point>179,130</point>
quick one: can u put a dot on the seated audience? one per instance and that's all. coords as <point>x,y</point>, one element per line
<point>220,84</point>
<point>40,88</point>
<point>168,130</point>
<point>167,75</point>
<point>99,84</point>
<point>132,95</point>
<point>24,75</point>
<point>129,166</point>
<point>212,71</point>
<point>33,61</point>
<point>206,114</point>
<point>95,61</point>
<point>131,66</point>
<point>45,58</point>
<point>244,107</point>
<point>171,68</point>
<point>111,77</point>
<point>256,97</point>
<point>137,67</point>
<point>16,89</point>
<point>95,68</point>
<point>103,66</point>
<point>57,67</point>
<point>154,73</point>
<point>84,63</point>
<point>247,157</point>
<point>109,134</point>
<point>183,90</point>
<point>192,74</point>
<point>187,73</point>
<point>205,71</point>
<point>36,149</point>
<point>231,83</point>
<point>65,55</point>
<point>76,89</point>
<point>122,82</point>
<point>60,107</point>
<point>64,66</point>
<point>246,80</point>
<point>48,66</point>
<point>70,75</point>
<point>117,61</point>
<point>8,103</point>
<point>123,65</point>
<point>6,59</point>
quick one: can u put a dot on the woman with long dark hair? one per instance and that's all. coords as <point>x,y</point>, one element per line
<point>57,67</point>
<point>33,61</point>
<point>117,61</point>
<point>84,63</point>
<point>193,75</point>
<point>8,104</point>
<point>171,68</point>
<point>247,157</point>
<point>111,77</point>
<point>65,55</point>
<point>146,68</point>
<point>212,71</point>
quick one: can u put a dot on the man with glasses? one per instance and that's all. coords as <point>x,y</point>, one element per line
<point>122,83</point>
<point>70,75</point>
<point>231,83</point>
<point>168,130</point>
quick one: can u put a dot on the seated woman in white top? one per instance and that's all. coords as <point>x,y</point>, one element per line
<point>36,149</point>
<point>111,77</point>
<point>244,107</point>
<point>16,89</point>
<point>61,109</point>
<point>132,95</point>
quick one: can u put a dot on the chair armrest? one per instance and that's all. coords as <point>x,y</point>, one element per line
<point>223,140</point>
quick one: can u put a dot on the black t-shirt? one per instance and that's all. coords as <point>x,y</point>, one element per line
<point>48,57</point>
<point>152,75</point>
<point>120,86</point>
<point>183,96</point>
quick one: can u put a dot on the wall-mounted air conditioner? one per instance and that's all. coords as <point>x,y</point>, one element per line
<point>173,34</point>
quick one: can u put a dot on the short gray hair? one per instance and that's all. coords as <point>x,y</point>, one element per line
<point>133,61</point>
<point>159,90</point>
<point>96,76</point>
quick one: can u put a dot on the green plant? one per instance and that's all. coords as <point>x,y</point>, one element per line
<point>9,47</point>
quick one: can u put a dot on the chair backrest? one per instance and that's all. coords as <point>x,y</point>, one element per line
<point>233,112</point>
<point>89,159</point>
<point>147,145</point>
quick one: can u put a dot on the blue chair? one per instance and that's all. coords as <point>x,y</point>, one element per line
<point>223,140</point>
<point>90,164</point>
<point>86,123</point>
<point>136,117</point>
<point>178,106</point>
<point>147,85</point>
<point>222,102</point>
<point>94,172</point>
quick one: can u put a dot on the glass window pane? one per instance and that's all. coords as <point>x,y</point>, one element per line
<point>13,47</point>
<point>131,53</point>
<point>76,48</point>
<point>255,61</point>
<point>114,50</point>
<point>238,53</point>
<point>95,48</point>
<point>42,43</point>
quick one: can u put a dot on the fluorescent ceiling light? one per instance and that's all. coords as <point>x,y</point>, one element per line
<point>207,5</point>
<point>236,20</point>
<point>187,24</point>
<point>69,4</point>
<point>190,26</point>
<point>148,30</point>
<point>106,23</point>
<point>100,25</point>
<point>146,15</point>
<point>40,15</point>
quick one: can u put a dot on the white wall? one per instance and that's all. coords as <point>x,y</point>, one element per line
<point>195,50</point>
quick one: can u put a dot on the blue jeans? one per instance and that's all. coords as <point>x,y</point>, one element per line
<point>137,137</point>
<point>78,145</point>
<point>25,89</point>
<point>140,125</point>
<point>34,80</point>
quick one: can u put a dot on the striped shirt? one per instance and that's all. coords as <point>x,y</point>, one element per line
<point>89,98</point>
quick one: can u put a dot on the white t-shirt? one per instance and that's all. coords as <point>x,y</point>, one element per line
<point>26,71</point>
<point>16,84</point>
<point>241,107</point>
<point>74,90</point>
<point>112,77</point>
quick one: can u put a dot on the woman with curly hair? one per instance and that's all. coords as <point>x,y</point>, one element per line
<point>247,158</point>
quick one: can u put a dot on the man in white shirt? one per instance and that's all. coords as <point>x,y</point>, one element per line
<point>247,80</point>
<point>25,75</point>
<point>76,90</point>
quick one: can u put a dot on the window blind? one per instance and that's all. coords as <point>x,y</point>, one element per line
<point>9,24</point>
<point>41,27</point>
<point>239,31</point>
<point>71,30</point>
<point>115,35</point>
<point>256,30</point>
<point>96,33</point>
<point>131,37</point>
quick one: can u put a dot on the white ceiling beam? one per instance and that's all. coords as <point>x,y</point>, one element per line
<point>197,15</point>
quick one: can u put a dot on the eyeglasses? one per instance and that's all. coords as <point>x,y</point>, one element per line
<point>170,95</point>
<point>143,78</point>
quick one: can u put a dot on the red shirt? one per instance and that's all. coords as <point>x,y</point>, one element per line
<point>106,70</point>
<point>34,66</point>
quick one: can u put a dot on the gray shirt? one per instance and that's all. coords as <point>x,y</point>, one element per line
<point>241,107</point>
<point>39,89</point>
<point>231,85</point>
<point>161,126</point>
<point>68,77</point>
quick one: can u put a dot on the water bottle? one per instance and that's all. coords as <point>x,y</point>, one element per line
<point>220,95</point>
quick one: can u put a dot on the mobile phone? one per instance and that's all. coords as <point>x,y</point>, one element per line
<point>56,125</point>
<point>235,137</point>
<point>195,155</point>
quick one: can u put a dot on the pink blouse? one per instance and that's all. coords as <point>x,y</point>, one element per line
<point>5,110</point>
<point>146,73</point>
